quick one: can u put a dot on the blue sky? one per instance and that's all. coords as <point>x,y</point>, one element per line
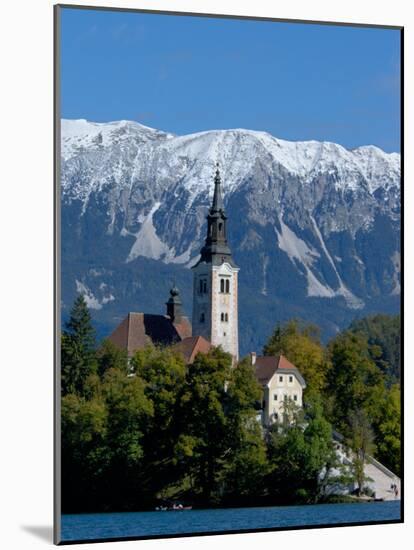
<point>185,74</point>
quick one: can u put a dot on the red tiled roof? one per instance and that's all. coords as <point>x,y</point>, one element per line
<point>267,366</point>
<point>189,347</point>
<point>140,329</point>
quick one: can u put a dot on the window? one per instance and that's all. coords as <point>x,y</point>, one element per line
<point>224,285</point>
<point>275,397</point>
<point>222,317</point>
<point>202,286</point>
<point>295,397</point>
<point>280,378</point>
<point>202,318</point>
<point>226,317</point>
<point>290,378</point>
<point>220,227</point>
<point>224,334</point>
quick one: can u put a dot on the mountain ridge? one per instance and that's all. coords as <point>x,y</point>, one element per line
<point>313,216</point>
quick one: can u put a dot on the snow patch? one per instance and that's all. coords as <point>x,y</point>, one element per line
<point>149,245</point>
<point>91,301</point>
<point>298,250</point>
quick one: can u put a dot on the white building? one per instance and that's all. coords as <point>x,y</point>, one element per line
<point>281,382</point>
<point>215,290</point>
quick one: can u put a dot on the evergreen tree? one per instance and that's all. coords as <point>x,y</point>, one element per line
<point>78,359</point>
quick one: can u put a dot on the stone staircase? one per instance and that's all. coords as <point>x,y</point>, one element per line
<point>381,477</point>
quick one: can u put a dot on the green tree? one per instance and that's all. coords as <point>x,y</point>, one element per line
<point>78,359</point>
<point>354,381</point>
<point>245,462</point>
<point>387,429</point>
<point>202,442</point>
<point>110,356</point>
<point>361,442</point>
<point>129,411</point>
<point>85,457</point>
<point>300,343</point>
<point>299,451</point>
<point>383,333</point>
<point>164,373</point>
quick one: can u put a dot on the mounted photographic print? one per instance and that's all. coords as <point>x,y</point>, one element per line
<point>228,290</point>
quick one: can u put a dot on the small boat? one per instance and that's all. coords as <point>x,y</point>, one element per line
<point>173,507</point>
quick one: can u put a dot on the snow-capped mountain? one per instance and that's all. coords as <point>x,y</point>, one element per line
<point>313,226</point>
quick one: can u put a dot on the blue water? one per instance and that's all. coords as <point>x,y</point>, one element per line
<point>141,524</point>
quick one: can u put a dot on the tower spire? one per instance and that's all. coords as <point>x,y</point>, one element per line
<point>217,205</point>
<point>216,249</point>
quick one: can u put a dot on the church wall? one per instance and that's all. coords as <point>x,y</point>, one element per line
<point>225,332</point>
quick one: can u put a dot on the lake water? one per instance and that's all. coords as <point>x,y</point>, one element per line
<point>144,524</point>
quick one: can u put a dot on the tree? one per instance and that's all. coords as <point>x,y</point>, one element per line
<point>129,411</point>
<point>110,356</point>
<point>383,334</point>
<point>85,457</point>
<point>245,463</point>
<point>299,342</point>
<point>77,349</point>
<point>361,442</point>
<point>299,450</point>
<point>387,429</point>
<point>202,441</point>
<point>164,374</point>
<point>354,381</point>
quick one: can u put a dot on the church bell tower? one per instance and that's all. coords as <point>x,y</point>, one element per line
<point>215,290</point>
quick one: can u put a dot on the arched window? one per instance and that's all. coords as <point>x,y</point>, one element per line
<point>220,227</point>
<point>227,286</point>
<point>221,285</point>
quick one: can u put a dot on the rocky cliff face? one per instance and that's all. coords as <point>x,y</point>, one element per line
<point>314,227</point>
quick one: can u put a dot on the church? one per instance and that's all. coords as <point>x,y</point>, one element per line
<point>214,317</point>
